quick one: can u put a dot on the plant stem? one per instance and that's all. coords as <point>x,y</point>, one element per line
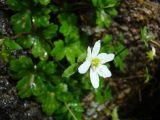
<point>70,111</point>
<point>119,52</point>
<point>156,43</point>
<point>19,35</point>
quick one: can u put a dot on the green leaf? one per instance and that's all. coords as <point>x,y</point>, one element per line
<point>22,63</point>
<point>112,11</point>
<point>11,44</point>
<point>94,2</point>
<point>40,50</point>
<point>103,19</point>
<point>18,4</point>
<point>50,31</point>
<point>60,114</point>
<point>47,67</point>
<point>107,39</point>
<point>81,57</point>
<point>70,55</point>
<point>42,2</point>
<point>4,54</point>
<point>70,32</point>
<point>50,67</point>
<point>69,18</point>
<point>119,63</point>
<point>41,20</point>
<point>21,67</point>
<point>54,8</point>
<point>146,36</point>
<point>76,106</point>
<point>99,96</point>
<point>107,93</point>
<point>27,41</point>
<point>147,76</point>
<point>72,52</point>
<point>64,96</point>
<point>110,3</point>
<point>70,71</point>
<point>103,93</point>
<point>49,104</point>
<point>105,3</point>
<point>115,114</point>
<point>38,86</point>
<point>62,87</point>
<point>24,86</point>
<point>58,51</point>
<point>68,27</point>
<point>119,59</point>
<point>150,55</point>
<point>76,109</point>
<point>86,84</point>
<point>14,4</point>
<point>62,93</point>
<point>21,22</point>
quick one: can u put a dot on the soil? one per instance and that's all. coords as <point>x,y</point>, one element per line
<point>135,98</point>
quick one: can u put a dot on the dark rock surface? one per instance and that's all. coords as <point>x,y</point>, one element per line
<point>11,106</point>
<point>5,28</point>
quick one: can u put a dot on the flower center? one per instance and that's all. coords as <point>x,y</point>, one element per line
<point>95,62</point>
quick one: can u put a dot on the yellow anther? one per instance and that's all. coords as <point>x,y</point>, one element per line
<point>95,62</point>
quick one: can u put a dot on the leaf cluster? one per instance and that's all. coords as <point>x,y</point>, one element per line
<point>105,11</point>
<point>54,47</point>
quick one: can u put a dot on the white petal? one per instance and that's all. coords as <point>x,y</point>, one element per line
<point>96,48</point>
<point>94,78</point>
<point>89,53</point>
<point>153,50</point>
<point>104,57</point>
<point>103,71</point>
<point>84,67</point>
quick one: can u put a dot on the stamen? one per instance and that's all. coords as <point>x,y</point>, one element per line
<point>95,62</point>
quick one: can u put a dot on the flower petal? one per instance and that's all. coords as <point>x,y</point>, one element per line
<point>104,72</point>
<point>88,53</point>
<point>96,48</point>
<point>104,57</point>
<point>94,78</point>
<point>84,67</point>
<point>153,50</point>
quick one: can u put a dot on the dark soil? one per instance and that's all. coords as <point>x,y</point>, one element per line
<point>136,99</point>
<point>11,106</point>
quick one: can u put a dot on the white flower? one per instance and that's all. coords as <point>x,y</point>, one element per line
<point>151,54</point>
<point>96,62</point>
<point>153,50</point>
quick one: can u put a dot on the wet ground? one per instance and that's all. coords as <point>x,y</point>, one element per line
<point>136,99</point>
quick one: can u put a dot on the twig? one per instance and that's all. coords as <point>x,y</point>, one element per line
<point>60,65</point>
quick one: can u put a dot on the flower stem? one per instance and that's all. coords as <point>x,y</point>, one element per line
<point>70,111</point>
<point>156,43</point>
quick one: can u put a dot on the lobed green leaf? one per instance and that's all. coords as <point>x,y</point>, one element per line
<point>58,52</point>
<point>21,22</point>
<point>70,71</point>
